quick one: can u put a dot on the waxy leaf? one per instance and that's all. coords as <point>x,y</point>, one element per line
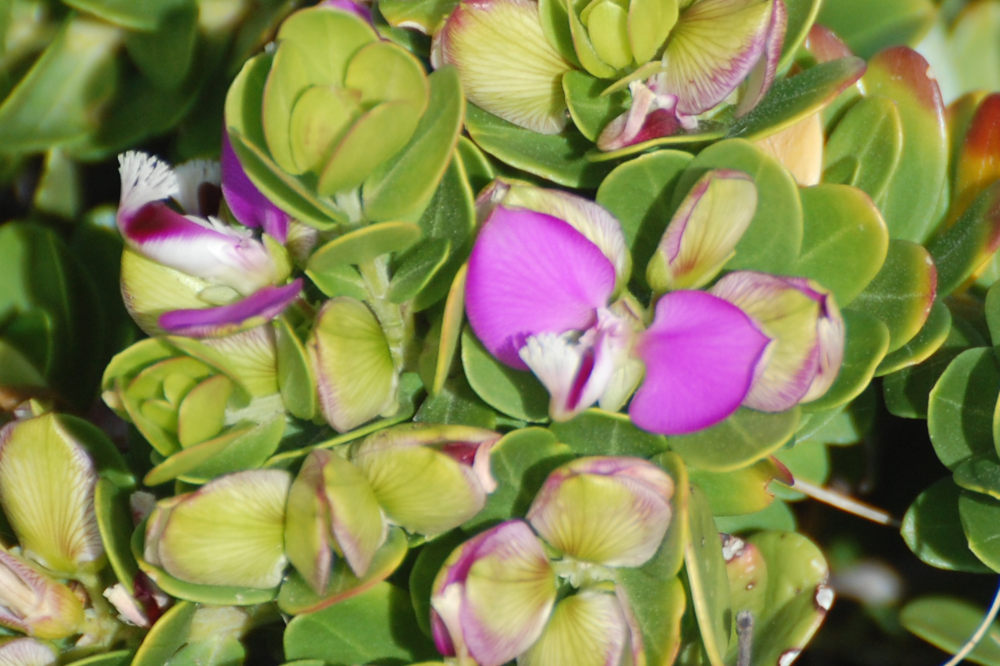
<point>451,328</point>
<point>948,622</point>
<point>709,581</point>
<point>844,242</point>
<point>902,293</point>
<point>922,345</point>
<point>961,406</point>
<point>358,630</point>
<point>166,636</point>
<point>906,391</point>
<point>739,491</point>
<point>910,203</point>
<point>244,123</point>
<point>424,15</point>
<point>556,157</point>
<point>590,109</point>
<point>980,474</point>
<point>599,433</point>
<point>742,439</point>
<point>932,530</point>
<point>968,243</point>
<point>296,377</point>
<point>364,245</point>
<point>801,14</point>
<point>794,98</point>
<point>520,462</point>
<point>513,392</point>
<point>402,187</point>
<point>979,515</point>
<point>865,146</point>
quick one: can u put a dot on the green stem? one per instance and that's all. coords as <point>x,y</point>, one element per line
<point>397,324</point>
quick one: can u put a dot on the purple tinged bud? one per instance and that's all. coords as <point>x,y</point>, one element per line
<point>492,598</point>
<point>612,511</point>
<point>34,603</point>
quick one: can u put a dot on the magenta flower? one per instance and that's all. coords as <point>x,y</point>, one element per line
<point>246,202</point>
<point>538,297</point>
<point>234,274</point>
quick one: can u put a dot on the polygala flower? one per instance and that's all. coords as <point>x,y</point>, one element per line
<point>808,332</point>
<point>611,511</point>
<point>492,598</point>
<point>185,271</point>
<point>538,297</point>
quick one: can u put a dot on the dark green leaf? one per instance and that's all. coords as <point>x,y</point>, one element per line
<point>933,532</point>
<point>961,407</point>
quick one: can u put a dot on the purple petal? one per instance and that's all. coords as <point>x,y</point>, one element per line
<point>261,306</point>
<point>245,201</point>
<point>701,353</point>
<point>762,75</point>
<point>532,273</point>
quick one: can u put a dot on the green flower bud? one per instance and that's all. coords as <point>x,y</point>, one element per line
<point>228,532</point>
<point>47,484</point>
<point>34,603</point>
<point>428,479</point>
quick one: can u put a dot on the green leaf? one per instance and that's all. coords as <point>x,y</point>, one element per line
<point>844,242</point>
<point>902,293</point>
<point>706,571</point>
<point>772,241</point>
<point>164,55</point>
<point>979,515</point>
<point>740,491</point>
<point>296,596</point>
<point>359,630</point>
<point>868,27</point>
<point>116,658</point>
<point>402,187</point>
<point>340,280</point>
<point>62,95</point>
<point>456,403</point>
<point>513,392</point>
<point>364,245</point>
<point>865,345</point>
<point>556,157</point>
<point>451,216</point>
<point>980,474</point>
<point>639,193</point>
<point>115,524</point>
<point>451,328</point>
<point>865,147</point>
<point>923,344</point>
<point>658,604</point>
<point>520,463</point>
<point>906,392</point>
<point>932,530</point>
<point>992,311</point>
<point>808,460</point>
<point>478,168</point>
<point>961,406</point>
<point>244,448</point>
<point>739,441</point>
<point>968,243</point>
<point>416,268</point>
<point>801,15</point>
<point>777,516</point>
<point>599,433</point>
<point>166,636</point>
<point>591,111</point>
<point>910,203</point>
<point>145,15</point>
<point>796,97</point>
<point>296,377</point>
<point>947,623</point>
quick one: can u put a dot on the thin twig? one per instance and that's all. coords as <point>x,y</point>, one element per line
<point>845,503</point>
<point>984,626</point>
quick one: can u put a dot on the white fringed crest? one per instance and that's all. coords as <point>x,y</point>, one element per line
<point>190,176</point>
<point>145,179</point>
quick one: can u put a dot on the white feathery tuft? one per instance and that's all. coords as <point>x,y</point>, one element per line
<point>190,176</point>
<point>145,179</point>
